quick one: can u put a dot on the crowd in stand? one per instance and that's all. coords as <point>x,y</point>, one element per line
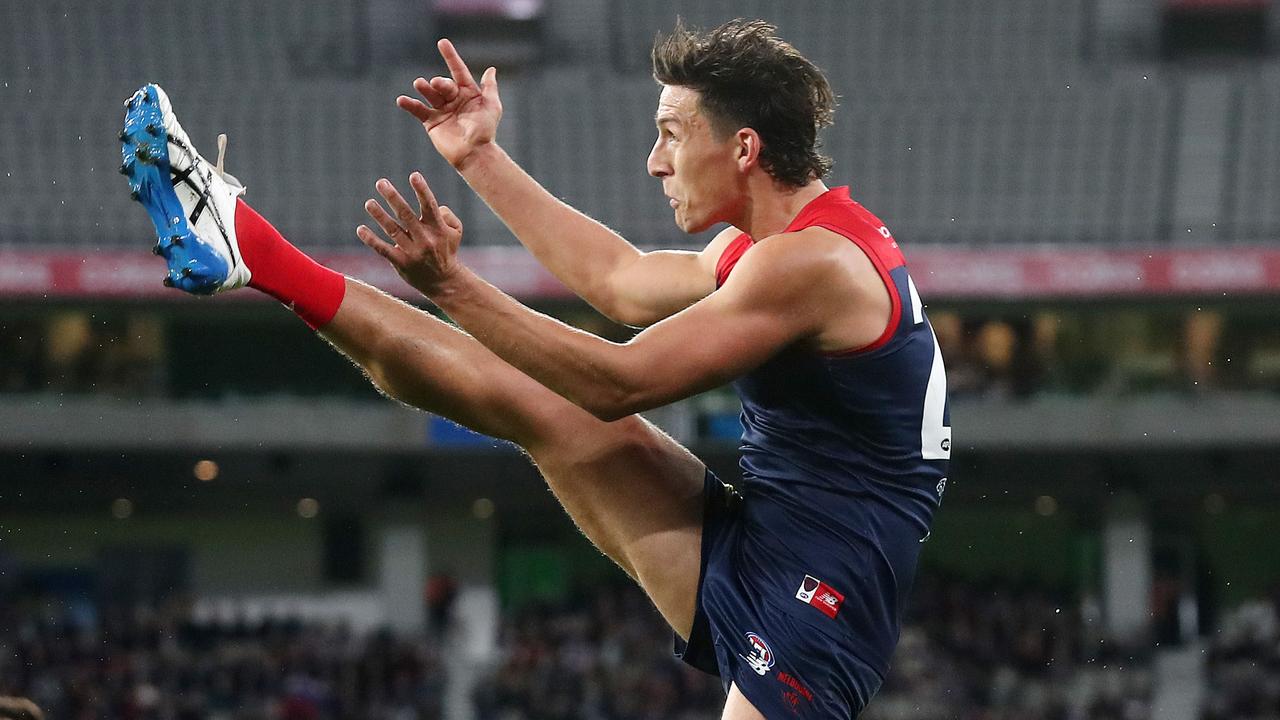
<point>1000,652</point>
<point>969,652</point>
<point>608,659</point>
<point>1244,664</point>
<point>972,652</point>
<point>159,665</point>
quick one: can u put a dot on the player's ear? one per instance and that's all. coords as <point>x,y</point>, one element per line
<point>748,146</point>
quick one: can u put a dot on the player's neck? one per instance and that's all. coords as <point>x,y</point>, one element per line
<point>769,210</point>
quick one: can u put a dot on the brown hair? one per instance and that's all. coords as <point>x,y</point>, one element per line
<point>749,77</point>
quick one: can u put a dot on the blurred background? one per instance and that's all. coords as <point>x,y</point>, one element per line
<point>206,512</point>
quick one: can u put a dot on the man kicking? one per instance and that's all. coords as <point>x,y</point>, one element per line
<point>790,586</point>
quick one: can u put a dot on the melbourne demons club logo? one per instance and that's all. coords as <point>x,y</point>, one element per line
<point>760,657</point>
<point>820,595</point>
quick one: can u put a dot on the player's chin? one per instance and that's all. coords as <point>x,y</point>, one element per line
<point>691,224</point>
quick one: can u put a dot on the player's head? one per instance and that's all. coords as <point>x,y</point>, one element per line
<point>735,99</point>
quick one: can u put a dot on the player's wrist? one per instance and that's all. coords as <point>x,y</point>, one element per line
<point>479,157</point>
<point>450,288</point>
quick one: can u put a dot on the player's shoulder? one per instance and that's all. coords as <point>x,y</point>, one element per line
<point>722,241</point>
<point>811,244</point>
<point>807,256</point>
<point>818,260</point>
<point>713,255</point>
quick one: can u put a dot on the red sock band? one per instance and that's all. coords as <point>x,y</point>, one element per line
<point>282,271</point>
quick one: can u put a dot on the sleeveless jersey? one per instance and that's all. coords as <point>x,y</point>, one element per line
<point>844,456</point>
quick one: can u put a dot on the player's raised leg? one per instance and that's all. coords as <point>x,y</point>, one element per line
<point>737,707</point>
<point>635,492</point>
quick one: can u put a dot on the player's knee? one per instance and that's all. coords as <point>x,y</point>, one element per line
<point>585,449</point>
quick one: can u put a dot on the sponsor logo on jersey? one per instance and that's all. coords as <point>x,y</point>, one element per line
<point>807,589</point>
<point>820,595</point>
<point>942,486</point>
<point>759,657</point>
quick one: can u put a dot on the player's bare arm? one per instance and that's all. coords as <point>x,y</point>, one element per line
<point>791,288</point>
<point>630,286</point>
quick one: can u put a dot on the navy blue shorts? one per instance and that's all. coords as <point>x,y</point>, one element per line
<point>782,654</point>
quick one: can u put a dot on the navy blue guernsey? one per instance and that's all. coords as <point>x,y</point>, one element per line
<point>844,456</point>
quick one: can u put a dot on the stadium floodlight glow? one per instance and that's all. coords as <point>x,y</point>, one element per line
<point>122,508</point>
<point>206,470</point>
<point>482,508</point>
<point>1215,504</point>
<point>1046,505</point>
<point>308,508</point>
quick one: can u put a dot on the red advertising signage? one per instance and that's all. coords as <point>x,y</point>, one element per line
<point>941,274</point>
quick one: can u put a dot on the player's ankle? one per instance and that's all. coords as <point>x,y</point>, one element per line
<point>284,272</point>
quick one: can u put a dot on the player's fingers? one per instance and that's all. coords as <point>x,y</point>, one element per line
<point>450,219</point>
<point>457,68</point>
<point>426,199</point>
<point>435,91</point>
<point>397,203</point>
<point>385,221</point>
<point>446,87</point>
<point>417,108</point>
<point>370,239</point>
<point>489,83</point>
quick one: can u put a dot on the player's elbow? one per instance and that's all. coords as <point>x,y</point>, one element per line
<point>634,317</point>
<point>614,402</point>
<point>613,305</point>
<point>609,409</point>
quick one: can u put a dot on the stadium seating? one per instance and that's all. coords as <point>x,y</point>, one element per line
<point>889,44</point>
<point>1074,163</point>
<point>1253,204</point>
<point>979,122</point>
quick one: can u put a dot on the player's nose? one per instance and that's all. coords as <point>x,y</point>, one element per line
<point>656,164</point>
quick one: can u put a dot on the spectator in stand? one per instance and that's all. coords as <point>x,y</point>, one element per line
<point>154,664</point>
<point>440,593</point>
<point>1244,665</point>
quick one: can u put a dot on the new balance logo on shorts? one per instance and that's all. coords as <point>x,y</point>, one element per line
<point>759,656</point>
<point>820,595</point>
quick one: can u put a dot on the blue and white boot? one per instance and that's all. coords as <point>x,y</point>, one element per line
<point>191,202</point>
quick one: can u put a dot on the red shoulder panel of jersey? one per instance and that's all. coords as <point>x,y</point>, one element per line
<point>837,212</point>
<point>895,302</point>
<point>730,257</point>
<point>841,215</point>
<point>834,210</point>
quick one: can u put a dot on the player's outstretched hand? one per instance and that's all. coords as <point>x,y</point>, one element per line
<point>458,114</point>
<point>421,245</point>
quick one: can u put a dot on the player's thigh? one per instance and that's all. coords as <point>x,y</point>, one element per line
<point>638,495</point>
<point>738,707</point>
